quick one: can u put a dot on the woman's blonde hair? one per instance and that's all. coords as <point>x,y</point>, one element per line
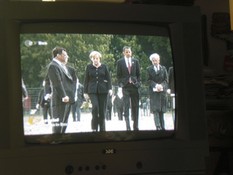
<point>93,53</point>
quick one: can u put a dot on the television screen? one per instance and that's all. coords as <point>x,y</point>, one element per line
<point>36,55</point>
<point>41,41</point>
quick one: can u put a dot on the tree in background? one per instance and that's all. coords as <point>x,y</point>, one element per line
<point>36,52</point>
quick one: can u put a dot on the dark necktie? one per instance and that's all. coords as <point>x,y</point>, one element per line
<point>129,67</point>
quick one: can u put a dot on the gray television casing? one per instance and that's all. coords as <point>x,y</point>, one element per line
<point>183,153</point>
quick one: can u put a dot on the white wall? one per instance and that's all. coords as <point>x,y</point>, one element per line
<point>217,47</point>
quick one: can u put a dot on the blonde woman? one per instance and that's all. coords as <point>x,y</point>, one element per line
<point>97,85</point>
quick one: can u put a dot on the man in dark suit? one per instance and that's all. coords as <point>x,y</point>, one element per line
<point>171,92</point>
<point>79,98</point>
<point>24,90</point>
<point>62,82</point>
<point>24,96</point>
<point>128,75</point>
<point>171,80</point>
<point>43,101</point>
<point>119,105</point>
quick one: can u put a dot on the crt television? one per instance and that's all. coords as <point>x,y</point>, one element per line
<point>34,28</point>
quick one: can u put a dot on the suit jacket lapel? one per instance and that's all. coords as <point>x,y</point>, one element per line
<point>68,73</point>
<point>64,71</point>
<point>152,70</point>
<point>132,65</point>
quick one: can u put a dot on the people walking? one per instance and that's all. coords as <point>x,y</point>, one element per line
<point>158,83</point>
<point>97,85</point>
<point>128,75</point>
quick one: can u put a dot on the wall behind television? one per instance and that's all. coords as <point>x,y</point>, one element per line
<point>217,47</point>
<point>217,162</point>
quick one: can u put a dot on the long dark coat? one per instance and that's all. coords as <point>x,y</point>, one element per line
<point>158,100</point>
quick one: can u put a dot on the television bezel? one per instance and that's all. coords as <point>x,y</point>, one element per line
<point>190,137</point>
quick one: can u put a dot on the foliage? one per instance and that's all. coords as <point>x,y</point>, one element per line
<point>36,56</point>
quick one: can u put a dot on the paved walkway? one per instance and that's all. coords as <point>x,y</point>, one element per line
<point>34,124</point>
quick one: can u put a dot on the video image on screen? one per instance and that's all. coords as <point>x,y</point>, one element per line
<point>102,100</point>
